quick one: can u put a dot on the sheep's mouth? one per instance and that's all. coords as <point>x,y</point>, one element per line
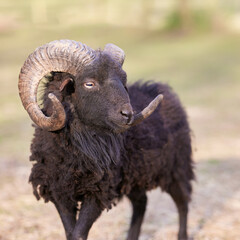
<point>118,127</point>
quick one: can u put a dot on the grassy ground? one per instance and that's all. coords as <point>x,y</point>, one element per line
<point>203,69</point>
<point>214,211</point>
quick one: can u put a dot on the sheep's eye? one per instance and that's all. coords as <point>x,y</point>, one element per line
<point>89,85</point>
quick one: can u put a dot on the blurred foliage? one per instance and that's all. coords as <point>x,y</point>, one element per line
<point>202,66</point>
<point>200,20</point>
<point>145,14</point>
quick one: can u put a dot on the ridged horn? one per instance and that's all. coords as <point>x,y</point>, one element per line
<point>115,52</point>
<point>146,112</point>
<point>60,56</point>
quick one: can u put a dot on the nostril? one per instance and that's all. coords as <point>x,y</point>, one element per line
<point>127,114</point>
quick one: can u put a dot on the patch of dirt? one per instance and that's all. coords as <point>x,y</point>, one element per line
<point>214,210</point>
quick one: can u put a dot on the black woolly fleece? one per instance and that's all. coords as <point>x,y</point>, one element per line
<point>79,161</point>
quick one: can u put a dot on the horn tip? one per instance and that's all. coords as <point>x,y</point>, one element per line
<point>157,100</point>
<point>160,97</point>
<point>51,95</point>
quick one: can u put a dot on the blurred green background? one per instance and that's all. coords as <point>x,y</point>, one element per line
<point>192,45</point>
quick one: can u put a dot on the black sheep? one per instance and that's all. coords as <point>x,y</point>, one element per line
<point>91,148</point>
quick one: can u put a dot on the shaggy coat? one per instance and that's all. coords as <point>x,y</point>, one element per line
<point>88,162</point>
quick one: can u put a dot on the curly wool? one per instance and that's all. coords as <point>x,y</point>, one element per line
<point>79,161</point>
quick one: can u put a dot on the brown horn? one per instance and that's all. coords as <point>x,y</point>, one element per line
<point>115,52</point>
<point>61,56</point>
<point>146,112</point>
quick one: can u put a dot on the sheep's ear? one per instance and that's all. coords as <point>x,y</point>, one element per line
<point>115,52</point>
<point>67,85</point>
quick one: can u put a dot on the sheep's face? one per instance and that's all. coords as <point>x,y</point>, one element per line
<point>97,91</point>
<point>100,98</point>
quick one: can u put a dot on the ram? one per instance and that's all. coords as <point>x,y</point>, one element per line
<point>91,146</point>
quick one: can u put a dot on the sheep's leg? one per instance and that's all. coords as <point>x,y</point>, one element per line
<point>88,214</point>
<point>181,201</point>
<point>68,217</point>
<point>139,201</point>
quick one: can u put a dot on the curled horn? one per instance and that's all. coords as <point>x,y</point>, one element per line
<point>61,56</point>
<point>115,52</point>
